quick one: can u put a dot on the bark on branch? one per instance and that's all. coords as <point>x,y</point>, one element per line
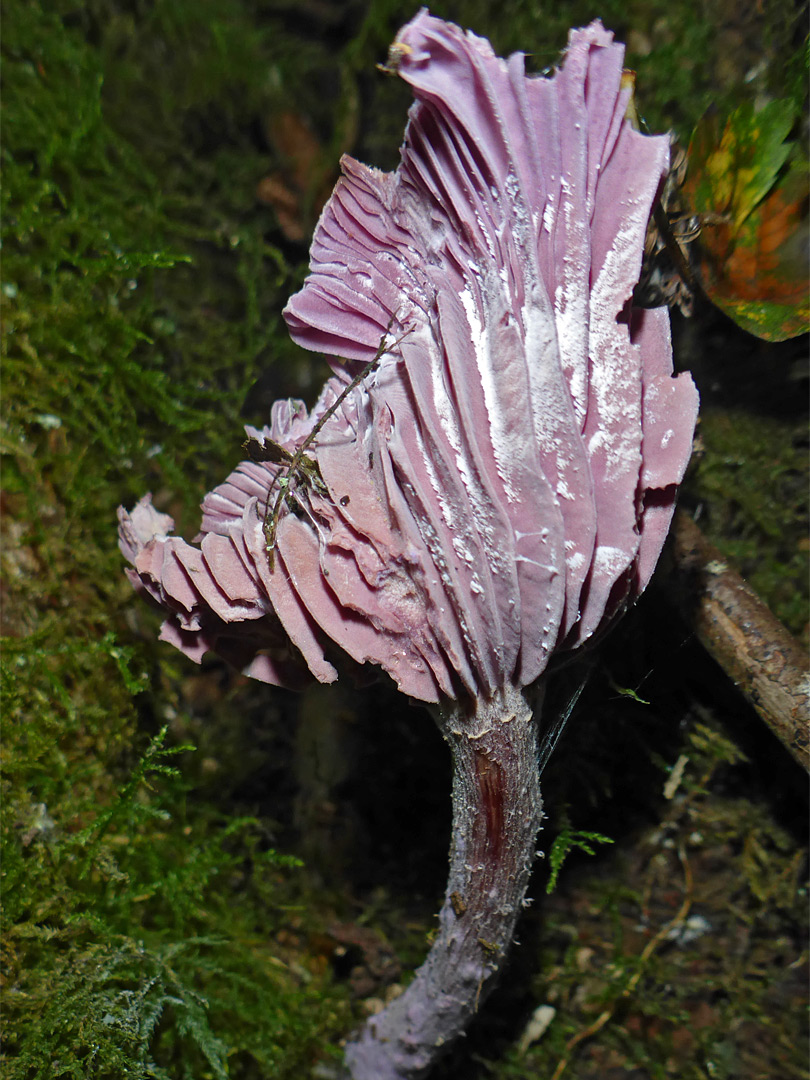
<point>743,636</point>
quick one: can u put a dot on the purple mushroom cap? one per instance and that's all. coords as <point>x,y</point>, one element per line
<point>501,484</point>
<point>487,478</point>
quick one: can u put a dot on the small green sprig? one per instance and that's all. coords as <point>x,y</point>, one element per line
<point>564,844</point>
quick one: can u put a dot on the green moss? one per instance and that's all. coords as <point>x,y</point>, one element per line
<point>132,911</point>
<point>751,484</point>
<point>138,294</point>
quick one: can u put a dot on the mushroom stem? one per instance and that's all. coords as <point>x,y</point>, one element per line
<point>497,812</point>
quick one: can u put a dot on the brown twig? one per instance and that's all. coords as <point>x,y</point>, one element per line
<point>743,636</point>
<point>298,465</point>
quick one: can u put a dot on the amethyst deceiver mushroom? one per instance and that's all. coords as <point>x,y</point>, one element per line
<point>494,490</point>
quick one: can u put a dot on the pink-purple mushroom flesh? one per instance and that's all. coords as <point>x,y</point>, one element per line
<point>495,489</point>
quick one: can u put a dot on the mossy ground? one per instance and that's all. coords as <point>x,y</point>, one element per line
<point>152,929</point>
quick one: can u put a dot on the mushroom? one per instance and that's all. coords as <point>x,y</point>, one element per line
<point>486,480</point>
